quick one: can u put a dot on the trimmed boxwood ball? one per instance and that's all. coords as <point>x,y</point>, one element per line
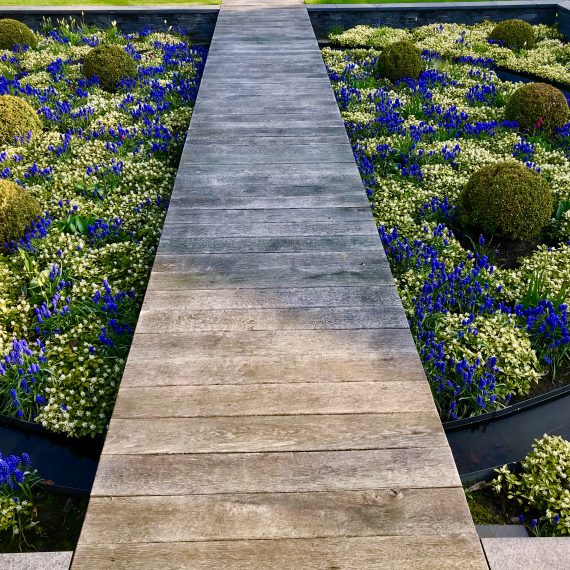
<point>399,60</point>
<point>13,33</point>
<point>17,209</point>
<point>537,107</point>
<point>110,64</point>
<point>506,199</point>
<point>17,119</point>
<point>514,34</point>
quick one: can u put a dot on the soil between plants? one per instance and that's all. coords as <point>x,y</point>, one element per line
<point>60,519</point>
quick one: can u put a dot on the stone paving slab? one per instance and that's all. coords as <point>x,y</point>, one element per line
<point>36,561</point>
<point>519,553</point>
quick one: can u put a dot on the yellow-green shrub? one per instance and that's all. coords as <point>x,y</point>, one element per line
<point>17,119</point>
<point>506,199</point>
<point>110,64</point>
<point>537,107</point>
<point>13,33</point>
<point>400,59</point>
<point>17,209</point>
<point>514,34</point>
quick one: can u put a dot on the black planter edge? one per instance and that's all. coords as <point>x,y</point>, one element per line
<point>63,490</point>
<point>517,408</point>
<point>38,429</point>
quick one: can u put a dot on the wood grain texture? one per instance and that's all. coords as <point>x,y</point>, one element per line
<point>273,412</point>
<point>311,318</point>
<point>275,229</point>
<point>273,399</point>
<point>173,245</point>
<point>281,215</point>
<point>274,433</point>
<point>252,294</point>
<point>255,516</point>
<point>257,357</point>
<point>426,552</point>
<point>291,472</point>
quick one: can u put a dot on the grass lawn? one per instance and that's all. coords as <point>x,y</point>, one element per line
<point>104,2</point>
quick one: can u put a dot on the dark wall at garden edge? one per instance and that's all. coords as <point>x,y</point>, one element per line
<point>326,18</point>
<point>198,22</point>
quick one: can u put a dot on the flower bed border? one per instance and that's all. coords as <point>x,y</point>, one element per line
<point>513,409</point>
<point>36,428</point>
<point>327,17</point>
<point>197,21</point>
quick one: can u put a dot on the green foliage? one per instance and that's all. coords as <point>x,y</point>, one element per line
<point>17,119</point>
<point>377,38</point>
<point>537,107</point>
<point>540,489</point>
<point>110,63</point>
<point>76,224</point>
<point>487,336</point>
<point>506,199</point>
<point>13,33</point>
<point>400,59</point>
<point>483,508</point>
<point>17,209</point>
<point>17,480</point>
<point>514,34</point>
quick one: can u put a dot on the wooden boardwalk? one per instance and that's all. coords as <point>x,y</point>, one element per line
<point>274,412</point>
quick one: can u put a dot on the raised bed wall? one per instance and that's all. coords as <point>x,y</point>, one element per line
<point>200,21</point>
<point>563,18</point>
<point>326,18</point>
<point>197,21</point>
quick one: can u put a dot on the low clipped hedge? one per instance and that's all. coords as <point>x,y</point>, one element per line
<point>111,64</point>
<point>14,33</point>
<point>17,209</point>
<point>537,107</point>
<point>17,119</point>
<point>514,34</point>
<point>400,60</point>
<point>508,200</point>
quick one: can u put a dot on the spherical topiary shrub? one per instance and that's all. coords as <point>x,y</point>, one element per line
<point>399,60</point>
<point>537,107</point>
<point>110,64</point>
<point>506,199</point>
<point>17,209</point>
<point>13,33</point>
<point>17,119</point>
<point>514,34</point>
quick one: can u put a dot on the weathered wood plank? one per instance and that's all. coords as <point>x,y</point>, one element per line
<point>274,215</point>
<point>196,199</point>
<point>234,136</point>
<point>426,552</point>
<point>246,297</point>
<point>312,318</point>
<point>259,108</point>
<point>205,474</point>
<point>286,153</point>
<point>243,228</point>
<point>343,178</point>
<point>329,282</point>
<point>273,399</point>
<point>404,512</point>
<point>253,186</point>
<point>328,119</point>
<point>274,433</point>
<point>272,356</point>
<point>276,244</point>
